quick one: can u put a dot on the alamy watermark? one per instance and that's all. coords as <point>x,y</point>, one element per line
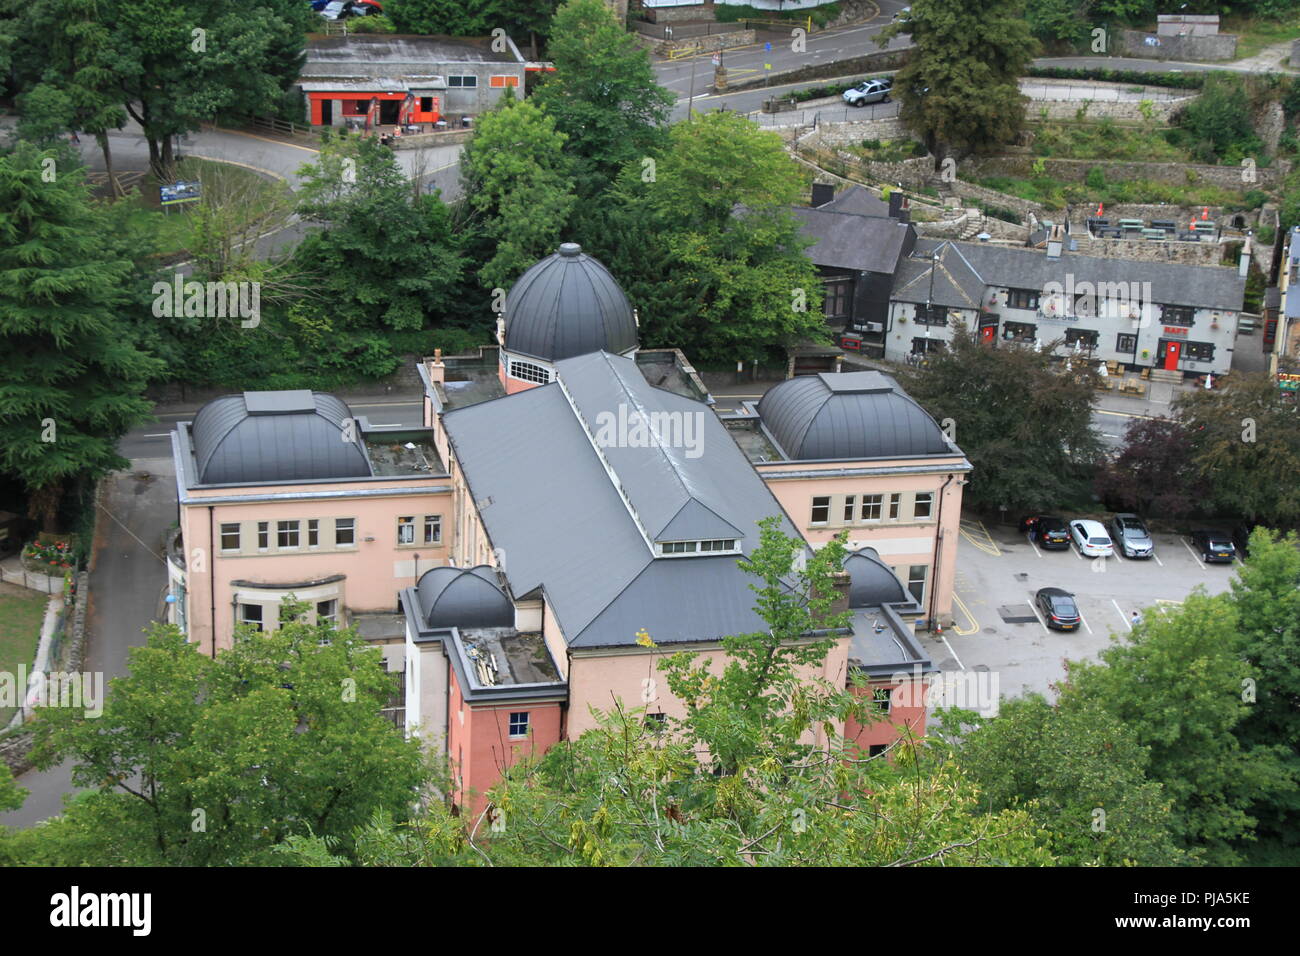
<point>630,427</point>
<point>208,300</point>
<point>1085,299</point>
<point>53,689</point>
<point>968,690</point>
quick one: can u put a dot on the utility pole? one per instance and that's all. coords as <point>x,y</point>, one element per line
<point>690,103</point>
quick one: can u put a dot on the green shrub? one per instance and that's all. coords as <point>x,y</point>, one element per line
<point>1096,178</point>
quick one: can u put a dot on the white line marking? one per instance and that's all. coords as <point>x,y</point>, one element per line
<point>1082,618</point>
<point>159,435</point>
<point>1192,553</point>
<point>944,638</point>
<point>1033,606</point>
<point>1034,546</point>
<point>1156,557</point>
<point>1120,612</point>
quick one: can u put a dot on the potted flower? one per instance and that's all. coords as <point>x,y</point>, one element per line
<point>1146,353</point>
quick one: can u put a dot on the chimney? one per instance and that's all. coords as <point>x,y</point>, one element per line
<point>822,193</point>
<point>437,370</point>
<point>840,581</point>
<point>897,205</point>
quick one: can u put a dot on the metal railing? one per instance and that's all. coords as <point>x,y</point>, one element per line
<point>824,114</point>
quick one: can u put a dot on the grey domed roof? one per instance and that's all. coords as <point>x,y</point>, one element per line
<point>568,304</point>
<point>275,436</point>
<point>872,583</point>
<point>463,597</point>
<point>848,415</point>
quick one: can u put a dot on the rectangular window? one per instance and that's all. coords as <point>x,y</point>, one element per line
<point>837,297</point>
<point>1198,351</point>
<point>720,545</point>
<point>924,504</point>
<point>286,534</point>
<point>426,104</point>
<point>327,611</point>
<point>1178,314</point>
<point>881,698</point>
<point>850,504</point>
<point>462,82</point>
<point>503,80</point>
<point>1019,331</point>
<point>1126,342</point>
<point>263,536</point>
<point>1082,338</point>
<point>519,724</point>
<point>406,530</point>
<point>871,507</point>
<point>433,529</point>
<point>916,581</point>
<point>655,723</point>
<point>251,614</point>
<point>926,346</point>
<point>895,503</point>
<point>1022,299</point>
<point>821,509</point>
<point>932,315</point>
<point>345,532</point>
<point>877,750</point>
<point>678,547</point>
<point>313,533</point>
<point>230,537</point>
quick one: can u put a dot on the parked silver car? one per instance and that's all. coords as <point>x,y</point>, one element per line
<point>1131,537</point>
<point>869,91</point>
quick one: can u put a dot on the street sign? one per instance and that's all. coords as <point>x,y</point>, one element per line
<point>171,195</point>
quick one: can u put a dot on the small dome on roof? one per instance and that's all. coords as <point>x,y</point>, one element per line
<point>848,415</point>
<point>568,304</point>
<point>872,583</point>
<point>463,597</point>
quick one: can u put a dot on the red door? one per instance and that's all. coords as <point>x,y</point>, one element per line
<point>1172,351</point>
<point>987,333</point>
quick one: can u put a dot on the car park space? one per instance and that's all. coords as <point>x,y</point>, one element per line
<point>1001,628</point>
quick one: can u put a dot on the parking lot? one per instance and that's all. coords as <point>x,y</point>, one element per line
<point>998,628</point>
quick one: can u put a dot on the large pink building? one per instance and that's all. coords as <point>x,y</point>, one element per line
<point>568,492</point>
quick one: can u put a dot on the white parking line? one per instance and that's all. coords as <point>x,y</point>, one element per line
<point>1120,612</point>
<point>1034,546</point>
<point>1082,618</point>
<point>1033,607</point>
<point>1156,558</point>
<point>1192,553</point>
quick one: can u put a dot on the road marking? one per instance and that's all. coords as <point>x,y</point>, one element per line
<point>1033,606</point>
<point>943,637</point>
<point>965,610</point>
<point>1107,411</point>
<point>265,139</point>
<point>1119,612</point>
<point>1082,618</point>
<point>979,537</point>
<point>159,435</point>
<point>235,162</point>
<point>1034,546</point>
<point>1192,553</point>
<point>1155,557</point>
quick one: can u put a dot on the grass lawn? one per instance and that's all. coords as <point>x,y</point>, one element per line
<point>1105,140</point>
<point>247,193</point>
<point>1254,34</point>
<point>21,613</point>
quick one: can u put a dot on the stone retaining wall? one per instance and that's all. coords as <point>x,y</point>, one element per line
<point>700,44</point>
<point>1220,46</point>
<point>868,63</point>
<point>1076,171</point>
<point>1161,110</point>
<point>445,138</point>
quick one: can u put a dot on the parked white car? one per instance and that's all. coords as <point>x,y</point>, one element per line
<point>1091,539</point>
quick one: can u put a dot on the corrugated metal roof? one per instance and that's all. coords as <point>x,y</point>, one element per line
<point>563,527</point>
<point>864,415</point>
<point>366,50</point>
<point>275,436</point>
<point>568,304</point>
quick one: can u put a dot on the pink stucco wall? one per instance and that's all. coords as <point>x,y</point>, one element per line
<point>901,543</point>
<point>907,709</point>
<point>375,571</point>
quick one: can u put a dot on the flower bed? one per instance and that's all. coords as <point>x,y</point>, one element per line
<point>53,558</point>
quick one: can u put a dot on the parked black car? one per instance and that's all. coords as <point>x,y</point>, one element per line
<point>1214,547</point>
<point>1047,531</point>
<point>1060,613</point>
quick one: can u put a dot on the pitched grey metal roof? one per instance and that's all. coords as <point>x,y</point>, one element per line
<point>275,436</point>
<point>463,597</point>
<point>850,241</point>
<point>359,54</point>
<point>849,415</point>
<point>562,525</point>
<point>871,581</point>
<point>956,283</point>
<point>857,201</point>
<point>568,304</point>
<point>1208,287</point>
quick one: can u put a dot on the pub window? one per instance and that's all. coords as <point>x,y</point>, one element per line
<point>1198,351</point>
<point>1125,342</point>
<point>1080,338</point>
<point>821,509</point>
<point>1019,331</point>
<point>1022,299</point>
<point>931,315</point>
<point>925,346</point>
<point>1178,315</point>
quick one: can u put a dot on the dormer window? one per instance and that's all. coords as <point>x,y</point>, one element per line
<point>711,546</point>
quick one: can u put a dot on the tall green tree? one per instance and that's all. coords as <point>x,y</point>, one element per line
<point>517,179</point>
<point>386,259</point>
<point>960,88</point>
<point>1025,426</point>
<point>1152,474</point>
<point>1080,773</point>
<point>603,93</point>
<point>74,378</point>
<point>708,247</point>
<point>200,762</point>
<point>1244,439</point>
<point>523,20</point>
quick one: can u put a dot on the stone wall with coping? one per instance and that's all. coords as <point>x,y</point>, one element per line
<point>1220,46</point>
<point>1076,171</point>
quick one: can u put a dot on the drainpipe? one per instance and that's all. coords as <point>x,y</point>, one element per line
<point>212,580</point>
<point>934,565</point>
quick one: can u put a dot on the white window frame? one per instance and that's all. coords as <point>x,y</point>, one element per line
<point>511,723</point>
<point>406,523</point>
<point>292,527</point>
<point>916,501</point>
<point>264,535</point>
<point>260,623</point>
<point>351,529</point>
<point>812,513</point>
<point>239,537</point>
<point>434,521</point>
<point>876,503</point>
<point>530,372</point>
<point>313,532</point>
